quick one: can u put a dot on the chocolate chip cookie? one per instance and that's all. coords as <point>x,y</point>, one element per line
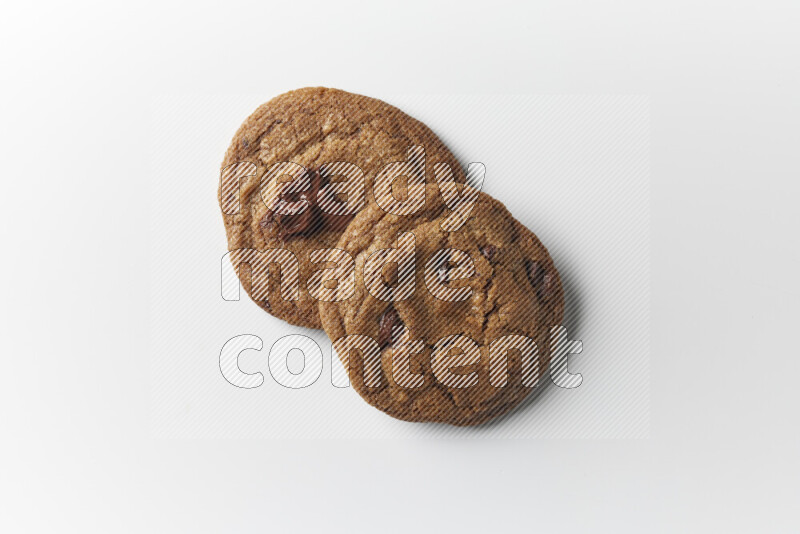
<point>298,170</point>
<point>456,331</point>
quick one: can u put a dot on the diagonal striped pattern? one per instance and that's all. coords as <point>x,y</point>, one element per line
<point>443,361</point>
<point>369,356</point>
<point>460,203</point>
<point>229,361</point>
<point>402,349</point>
<point>499,355</point>
<point>230,178</point>
<point>404,257</point>
<point>437,274</point>
<point>335,283</point>
<point>274,189</point>
<point>561,348</point>
<point>345,194</point>
<point>414,171</point>
<point>260,262</point>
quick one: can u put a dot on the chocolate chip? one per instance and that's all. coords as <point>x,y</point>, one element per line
<point>488,251</point>
<point>388,321</point>
<point>332,220</point>
<point>286,225</point>
<point>444,268</point>
<point>540,279</point>
<point>245,144</point>
<point>309,194</point>
<point>291,224</point>
<point>534,272</point>
<point>443,274</point>
<point>328,200</point>
<point>548,286</point>
<point>312,218</point>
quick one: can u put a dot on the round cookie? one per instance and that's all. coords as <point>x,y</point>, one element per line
<point>311,127</point>
<point>515,291</point>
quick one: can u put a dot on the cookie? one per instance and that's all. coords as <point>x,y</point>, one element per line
<point>331,145</point>
<point>467,310</point>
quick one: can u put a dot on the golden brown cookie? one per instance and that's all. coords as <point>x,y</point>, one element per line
<point>476,292</point>
<point>325,136</point>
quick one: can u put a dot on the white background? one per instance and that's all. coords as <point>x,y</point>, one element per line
<point>77,449</point>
